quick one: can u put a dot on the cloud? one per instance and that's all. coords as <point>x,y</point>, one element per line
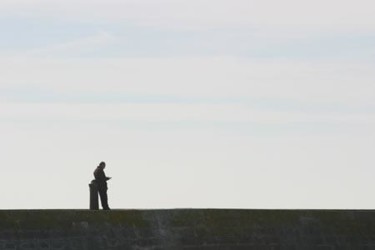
<point>70,48</point>
<point>329,29</point>
<point>204,77</point>
<point>171,113</point>
<point>290,16</point>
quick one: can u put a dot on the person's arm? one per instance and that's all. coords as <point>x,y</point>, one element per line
<point>105,177</point>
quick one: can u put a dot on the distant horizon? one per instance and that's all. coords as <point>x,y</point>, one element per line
<point>162,209</point>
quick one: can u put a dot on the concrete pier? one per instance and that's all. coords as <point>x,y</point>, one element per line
<point>193,229</point>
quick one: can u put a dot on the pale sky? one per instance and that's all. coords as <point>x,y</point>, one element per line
<point>191,103</point>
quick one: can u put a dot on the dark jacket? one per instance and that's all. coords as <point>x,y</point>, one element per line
<point>100,178</point>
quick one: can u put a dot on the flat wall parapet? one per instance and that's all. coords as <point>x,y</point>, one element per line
<point>194,229</point>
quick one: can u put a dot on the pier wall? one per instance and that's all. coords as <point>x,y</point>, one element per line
<point>193,229</point>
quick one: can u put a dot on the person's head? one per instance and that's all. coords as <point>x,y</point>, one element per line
<point>102,165</point>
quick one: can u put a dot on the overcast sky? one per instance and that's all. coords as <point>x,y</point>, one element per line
<point>191,103</point>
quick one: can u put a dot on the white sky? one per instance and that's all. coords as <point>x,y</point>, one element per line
<point>225,104</point>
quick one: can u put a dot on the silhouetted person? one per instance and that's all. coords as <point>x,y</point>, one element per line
<point>101,181</point>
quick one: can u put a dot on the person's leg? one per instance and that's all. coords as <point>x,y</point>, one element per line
<point>104,199</point>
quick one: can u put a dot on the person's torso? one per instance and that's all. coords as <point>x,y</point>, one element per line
<point>100,178</point>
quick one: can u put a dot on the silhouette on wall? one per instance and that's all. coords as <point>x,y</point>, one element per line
<point>100,184</point>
